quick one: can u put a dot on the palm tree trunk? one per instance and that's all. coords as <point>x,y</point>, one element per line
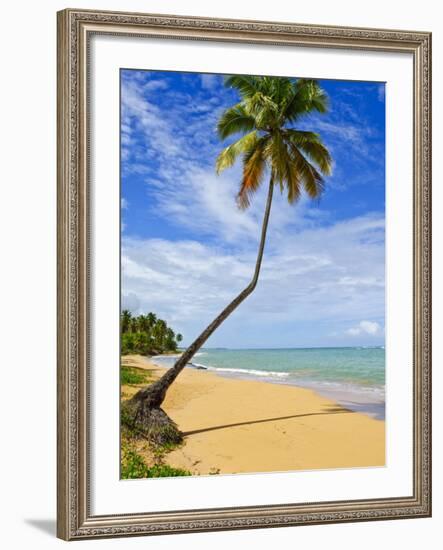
<point>148,400</point>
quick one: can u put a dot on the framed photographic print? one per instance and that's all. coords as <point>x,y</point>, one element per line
<point>243,274</point>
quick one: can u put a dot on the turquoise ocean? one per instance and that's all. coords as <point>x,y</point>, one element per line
<point>353,377</point>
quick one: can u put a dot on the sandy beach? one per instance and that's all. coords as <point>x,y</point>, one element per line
<point>237,426</point>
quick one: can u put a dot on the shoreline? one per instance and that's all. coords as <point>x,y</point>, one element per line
<point>350,397</point>
<point>246,426</point>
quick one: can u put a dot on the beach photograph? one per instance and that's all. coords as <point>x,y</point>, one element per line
<point>252,321</point>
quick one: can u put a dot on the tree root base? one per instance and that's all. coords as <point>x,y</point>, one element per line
<point>151,423</point>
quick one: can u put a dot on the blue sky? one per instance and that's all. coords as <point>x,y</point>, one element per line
<point>187,249</point>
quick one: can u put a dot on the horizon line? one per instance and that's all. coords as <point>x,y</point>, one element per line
<point>362,346</point>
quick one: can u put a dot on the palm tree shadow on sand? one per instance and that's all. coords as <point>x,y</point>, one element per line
<point>326,411</point>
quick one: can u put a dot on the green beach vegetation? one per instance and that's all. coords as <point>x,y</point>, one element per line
<point>144,335</point>
<point>140,458</point>
<point>134,467</point>
<point>147,335</point>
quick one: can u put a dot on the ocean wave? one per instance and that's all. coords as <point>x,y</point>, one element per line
<point>166,356</point>
<point>252,372</point>
<point>198,365</point>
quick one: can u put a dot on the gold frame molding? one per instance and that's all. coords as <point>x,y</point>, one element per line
<point>74,520</point>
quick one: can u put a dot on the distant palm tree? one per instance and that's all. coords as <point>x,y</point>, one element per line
<point>170,343</point>
<point>143,323</point>
<point>159,333</point>
<point>126,317</point>
<point>152,319</point>
<point>134,325</point>
<point>294,159</point>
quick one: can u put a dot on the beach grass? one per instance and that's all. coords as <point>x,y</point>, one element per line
<point>134,466</point>
<point>133,376</point>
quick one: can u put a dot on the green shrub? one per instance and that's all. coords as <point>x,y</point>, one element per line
<point>133,375</point>
<point>136,342</point>
<point>134,467</point>
<point>164,470</point>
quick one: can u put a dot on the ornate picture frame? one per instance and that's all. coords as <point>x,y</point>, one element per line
<point>75,29</point>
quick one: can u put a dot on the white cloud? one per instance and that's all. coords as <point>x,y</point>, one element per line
<point>365,327</point>
<point>124,206</point>
<point>154,85</point>
<point>204,201</point>
<point>302,279</point>
<point>209,81</point>
<point>140,115</point>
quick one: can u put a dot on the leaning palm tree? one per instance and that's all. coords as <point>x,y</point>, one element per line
<point>294,160</point>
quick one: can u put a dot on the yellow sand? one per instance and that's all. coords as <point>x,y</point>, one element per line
<point>235,426</point>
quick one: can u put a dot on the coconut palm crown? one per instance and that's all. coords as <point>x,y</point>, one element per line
<point>266,114</point>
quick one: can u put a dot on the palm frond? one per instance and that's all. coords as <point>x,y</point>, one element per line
<point>277,152</point>
<point>247,85</point>
<point>229,155</point>
<point>284,169</point>
<point>254,164</point>
<point>313,94</point>
<point>311,145</point>
<point>234,120</point>
<point>264,110</point>
<point>293,184</point>
<point>282,90</point>
<point>307,96</point>
<point>311,179</point>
